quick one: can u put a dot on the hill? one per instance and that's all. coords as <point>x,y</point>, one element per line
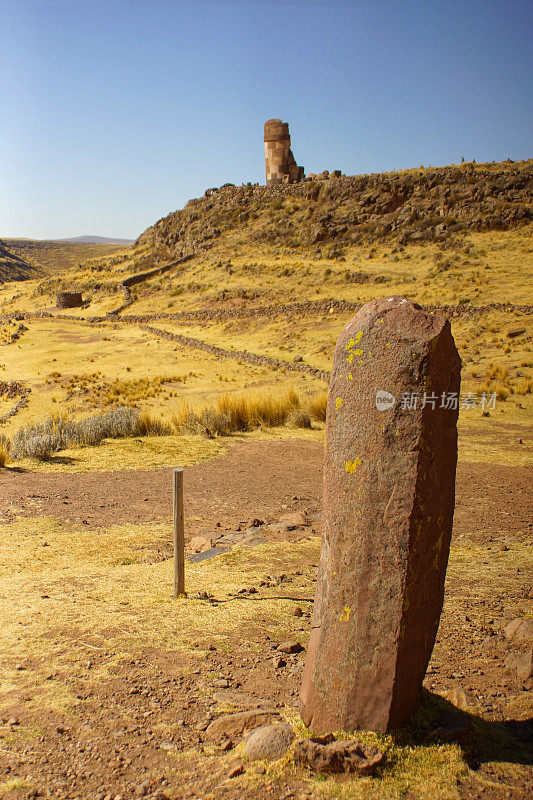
<point>330,211</point>
<point>208,345</point>
<point>90,239</point>
<point>13,267</point>
<point>57,256</point>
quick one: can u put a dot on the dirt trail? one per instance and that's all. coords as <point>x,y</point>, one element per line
<point>108,684</point>
<point>253,479</point>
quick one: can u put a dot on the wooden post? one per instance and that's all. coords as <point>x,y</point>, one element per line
<point>179,536</point>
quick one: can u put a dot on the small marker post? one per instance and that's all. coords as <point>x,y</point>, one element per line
<point>179,535</point>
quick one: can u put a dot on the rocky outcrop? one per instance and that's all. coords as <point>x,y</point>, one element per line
<point>411,206</point>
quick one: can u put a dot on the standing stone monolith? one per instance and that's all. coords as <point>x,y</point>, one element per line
<point>389,493</point>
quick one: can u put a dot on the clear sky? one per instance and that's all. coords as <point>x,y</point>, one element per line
<point>115,112</point>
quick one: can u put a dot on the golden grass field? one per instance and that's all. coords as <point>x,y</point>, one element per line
<point>74,368</point>
<point>99,593</point>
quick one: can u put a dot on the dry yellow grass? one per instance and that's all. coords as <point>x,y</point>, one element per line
<point>88,593</point>
<point>73,368</point>
<point>148,452</point>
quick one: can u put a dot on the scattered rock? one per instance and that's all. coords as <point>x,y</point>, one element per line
<point>294,520</point>
<point>231,725</point>
<point>297,612</point>
<point>328,755</point>
<point>235,768</point>
<point>279,662</point>
<point>451,728</point>
<point>520,629</point>
<point>269,742</point>
<point>523,664</point>
<point>524,632</point>
<point>515,332</point>
<point>458,697</point>
<point>290,647</point>
<point>221,683</point>
<point>207,554</point>
<point>199,544</point>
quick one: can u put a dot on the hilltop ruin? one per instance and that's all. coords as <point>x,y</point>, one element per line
<point>280,164</point>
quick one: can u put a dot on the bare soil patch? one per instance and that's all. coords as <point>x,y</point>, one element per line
<point>136,710</point>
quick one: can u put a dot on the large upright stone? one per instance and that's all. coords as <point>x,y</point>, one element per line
<point>389,491</point>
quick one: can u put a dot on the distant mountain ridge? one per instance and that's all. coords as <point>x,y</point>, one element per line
<point>90,239</point>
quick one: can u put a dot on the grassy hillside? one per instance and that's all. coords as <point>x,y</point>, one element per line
<point>13,267</point>
<point>56,257</point>
<point>257,312</point>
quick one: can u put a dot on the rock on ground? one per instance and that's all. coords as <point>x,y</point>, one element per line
<point>347,755</point>
<point>269,742</point>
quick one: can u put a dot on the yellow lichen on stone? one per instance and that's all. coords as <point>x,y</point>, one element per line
<point>351,466</point>
<point>338,402</point>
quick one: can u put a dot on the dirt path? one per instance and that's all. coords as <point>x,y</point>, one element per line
<point>253,479</point>
<point>107,685</point>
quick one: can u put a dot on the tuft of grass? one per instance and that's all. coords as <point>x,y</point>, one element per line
<point>299,419</point>
<point>316,406</point>
<point>5,449</point>
<point>148,425</point>
<point>237,413</point>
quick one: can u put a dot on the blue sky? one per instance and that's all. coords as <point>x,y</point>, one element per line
<point>115,112</point>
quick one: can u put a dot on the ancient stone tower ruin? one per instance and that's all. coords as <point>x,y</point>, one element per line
<point>279,161</point>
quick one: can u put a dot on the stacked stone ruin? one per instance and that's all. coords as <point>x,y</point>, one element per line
<point>69,300</point>
<point>280,164</point>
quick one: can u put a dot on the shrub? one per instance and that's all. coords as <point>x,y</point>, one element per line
<point>232,413</point>
<point>41,440</point>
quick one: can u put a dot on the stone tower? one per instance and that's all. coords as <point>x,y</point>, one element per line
<point>279,161</point>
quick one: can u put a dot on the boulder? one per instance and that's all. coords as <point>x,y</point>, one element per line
<point>199,544</point>
<point>269,742</point>
<point>389,495</point>
<point>290,647</point>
